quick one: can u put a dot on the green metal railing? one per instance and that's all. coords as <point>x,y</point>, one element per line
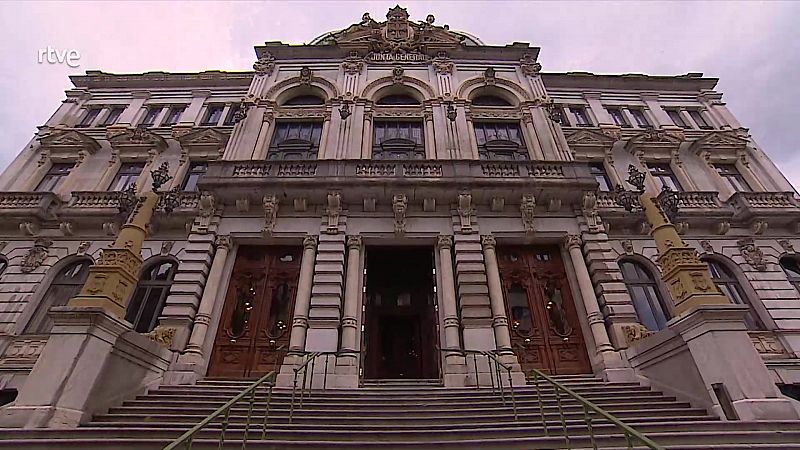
<point>224,411</point>
<point>305,368</point>
<point>495,371</point>
<point>632,437</point>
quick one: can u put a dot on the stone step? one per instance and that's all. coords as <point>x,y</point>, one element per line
<point>686,440</point>
<point>445,392</point>
<point>475,396</point>
<point>399,435</point>
<point>394,409</point>
<point>370,403</point>
<point>357,417</point>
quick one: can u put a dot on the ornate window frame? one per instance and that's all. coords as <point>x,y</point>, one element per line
<point>147,287</point>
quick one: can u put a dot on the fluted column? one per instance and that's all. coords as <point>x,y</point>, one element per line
<point>194,349</point>
<point>449,307</point>
<point>297,342</point>
<point>499,320</point>
<point>352,294</point>
<point>596,324</point>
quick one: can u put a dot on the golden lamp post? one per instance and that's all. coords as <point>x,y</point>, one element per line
<point>114,276</point>
<point>687,278</point>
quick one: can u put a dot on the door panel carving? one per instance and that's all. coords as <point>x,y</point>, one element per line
<point>257,312</point>
<point>545,332</point>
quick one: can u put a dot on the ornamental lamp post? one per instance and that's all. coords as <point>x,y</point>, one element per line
<point>112,278</point>
<point>687,278</point>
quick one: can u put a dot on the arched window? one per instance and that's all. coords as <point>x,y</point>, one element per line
<point>490,100</point>
<point>727,283</point>
<point>304,100</point>
<point>150,294</point>
<point>397,100</point>
<point>66,284</point>
<point>792,268</point>
<point>644,292</point>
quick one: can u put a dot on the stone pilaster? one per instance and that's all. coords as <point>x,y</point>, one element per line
<point>327,291</point>
<point>297,342</point>
<point>473,292</point>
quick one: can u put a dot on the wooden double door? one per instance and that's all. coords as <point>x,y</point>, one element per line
<point>257,315</point>
<point>545,331</point>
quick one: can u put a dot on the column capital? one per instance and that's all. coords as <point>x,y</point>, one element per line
<point>310,242</point>
<point>444,241</point>
<point>572,240</point>
<point>354,242</point>
<point>488,241</point>
<point>223,241</point>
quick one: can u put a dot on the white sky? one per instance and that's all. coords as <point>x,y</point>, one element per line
<point>753,47</point>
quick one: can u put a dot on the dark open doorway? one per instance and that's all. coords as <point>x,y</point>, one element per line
<point>400,319</point>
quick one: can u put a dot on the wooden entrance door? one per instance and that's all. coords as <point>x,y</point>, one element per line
<point>400,316</point>
<point>545,332</point>
<point>257,314</point>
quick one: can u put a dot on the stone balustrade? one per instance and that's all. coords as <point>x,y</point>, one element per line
<point>699,199</point>
<point>35,204</point>
<point>94,199</point>
<point>765,199</point>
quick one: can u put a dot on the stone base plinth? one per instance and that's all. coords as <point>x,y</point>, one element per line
<point>707,348</point>
<point>91,362</point>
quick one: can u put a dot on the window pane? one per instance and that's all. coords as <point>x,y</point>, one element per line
<point>639,117</point>
<point>675,115</point>
<point>113,116</point>
<point>151,115</point>
<point>645,296</point>
<point>698,118</point>
<point>89,117</point>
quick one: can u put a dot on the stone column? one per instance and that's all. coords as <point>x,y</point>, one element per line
<point>297,342</point>
<point>194,349</point>
<point>499,320</point>
<point>449,307</point>
<point>596,324</point>
<point>352,294</point>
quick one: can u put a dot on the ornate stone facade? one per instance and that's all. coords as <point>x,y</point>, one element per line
<point>287,170</point>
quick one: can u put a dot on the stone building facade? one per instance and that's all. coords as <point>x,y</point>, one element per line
<point>394,193</point>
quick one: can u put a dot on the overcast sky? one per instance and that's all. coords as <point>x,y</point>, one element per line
<point>753,47</point>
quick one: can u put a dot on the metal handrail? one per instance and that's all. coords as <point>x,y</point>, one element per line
<point>631,435</point>
<point>187,437</point>
<point>308,381</point>
<point>494,375</point>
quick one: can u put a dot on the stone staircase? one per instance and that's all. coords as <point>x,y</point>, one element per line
<point>401,414</point>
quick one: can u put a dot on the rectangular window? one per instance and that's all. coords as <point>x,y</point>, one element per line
<point>196,170</point>
<point>230,116</point>
<point>598,171</point>
<point>500,141</point>
<point>398,140</point>
<point>664,176</point>
<point>640,118</point>
<point>54,177</point>
<point>150,116</point>
<point>295,140</point>
<point>618,117</point>
<point>213,114</point>
<point>579,116</point>
<point>127,176</point>
<point>113,115</point>
<point>677,119</point>
<point>731,175</point>
<point>174,115</point>
<point>89,117</point>
<point>698,118</point>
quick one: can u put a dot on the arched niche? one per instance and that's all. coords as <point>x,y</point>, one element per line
<point>510,90</point>
<point>490,93</point>
<point>387,86</point>
<point>284,98</point>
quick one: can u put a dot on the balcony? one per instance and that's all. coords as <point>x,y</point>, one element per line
<point>444,179</point>
<point>776,206</point>
<point>38,205</point>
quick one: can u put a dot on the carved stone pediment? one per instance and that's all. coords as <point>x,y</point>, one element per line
<point>137,140</point>
<point>726,143</point>
<point>205,143</point>
<point>655,141</point>
<point>68,142</point>
<point>588,141</point>
<point>397,34</point>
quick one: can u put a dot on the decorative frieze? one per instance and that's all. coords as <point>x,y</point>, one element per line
<point>527,208</point>
<point>270,204</point>
<point>36,255</point>
<point>399,208</point>
<point>332,212</point>
<point>786,245</point>
<point>207,208</point>
<point>465,211</point>
<point>23,352</point>
<point>752,254</point>
<point>265,65</point>
<point>162,335</point>
<point>530,67</point>
<point>634,333</point>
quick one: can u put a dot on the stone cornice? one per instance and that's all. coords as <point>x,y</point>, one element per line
<point>586,80</point>
<point>211,78</point>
